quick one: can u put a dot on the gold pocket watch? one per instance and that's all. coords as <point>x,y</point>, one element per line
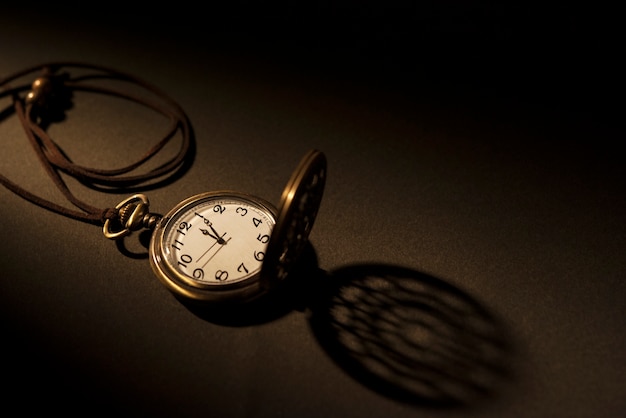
<point>213,247</point>
<point>226,246</point>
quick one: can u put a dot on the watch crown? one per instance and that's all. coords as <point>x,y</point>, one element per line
<point>132,215</point>
<point>125,212</point>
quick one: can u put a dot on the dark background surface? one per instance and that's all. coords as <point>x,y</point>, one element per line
<point>468,258</point>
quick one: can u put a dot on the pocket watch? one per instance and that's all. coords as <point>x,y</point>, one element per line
<point>213,247</point>
<point>225,246</point>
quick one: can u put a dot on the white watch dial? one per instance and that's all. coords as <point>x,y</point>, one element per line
<point>212,241</point>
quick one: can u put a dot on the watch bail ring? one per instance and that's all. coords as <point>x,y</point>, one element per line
<point>132,215</point>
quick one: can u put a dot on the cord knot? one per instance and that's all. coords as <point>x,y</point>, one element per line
<point>49,96</point>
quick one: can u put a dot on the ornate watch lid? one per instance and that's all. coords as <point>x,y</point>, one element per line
<point>298,209</point>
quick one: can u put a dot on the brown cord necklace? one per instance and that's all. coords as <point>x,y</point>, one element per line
<point>47,98</point>
<point>215,247</point>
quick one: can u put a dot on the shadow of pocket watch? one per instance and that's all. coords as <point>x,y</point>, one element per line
<point>226,247</point>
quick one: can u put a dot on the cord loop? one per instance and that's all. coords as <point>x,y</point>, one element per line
<point>47,100</point>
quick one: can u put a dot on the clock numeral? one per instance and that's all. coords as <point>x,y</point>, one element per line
<point>198,274</point>
<point>183,227</point>
<point>179,243</point>
<point>184,260</point>
<point>259,255</point>
<point>221,275</point>
<point>263,238</point>
<point>242,211</point>
<point>219,209</point>
<point>242,267</point>
<point>257,222</point>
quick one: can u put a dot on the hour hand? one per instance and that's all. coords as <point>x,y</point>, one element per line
<point>213,235</point>
<point>206,232</point>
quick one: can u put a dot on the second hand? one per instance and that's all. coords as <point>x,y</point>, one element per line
<point>218,250</point>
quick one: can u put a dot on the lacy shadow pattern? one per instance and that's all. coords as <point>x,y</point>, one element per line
<point>410,336</point>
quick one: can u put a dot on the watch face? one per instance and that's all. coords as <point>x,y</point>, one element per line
<point>211,246</point>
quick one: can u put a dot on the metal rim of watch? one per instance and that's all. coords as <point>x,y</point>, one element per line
<point>297,212</point>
